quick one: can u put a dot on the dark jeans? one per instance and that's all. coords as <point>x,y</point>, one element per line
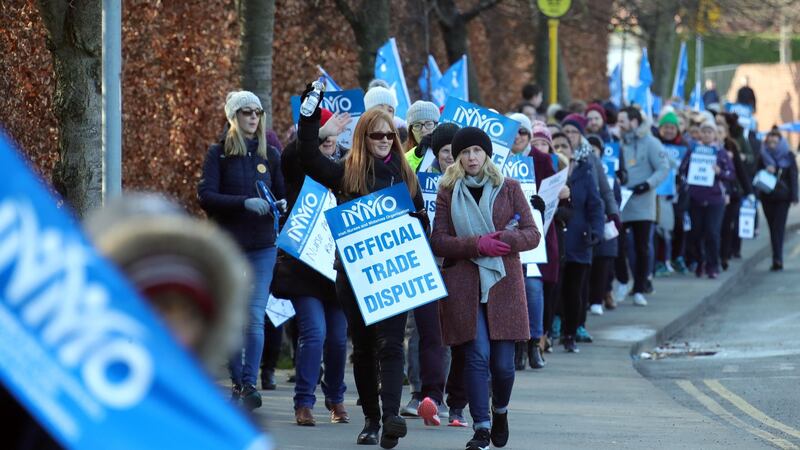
<point>431,351</point>
<point>551,301</point>
<point>273,340</point>
<point>706,228</point>
<point>642,239</point>
<point>678,235</point>
<point>534,293</point>
<point>382,341</point>
<point>456,385</point>
<point>575,275</point>
<point>598,281</point>
<point>730,229</point>
<point>776,213</point>
<point>621,261</point>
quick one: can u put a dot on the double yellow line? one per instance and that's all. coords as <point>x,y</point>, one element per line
<point>740,403</point>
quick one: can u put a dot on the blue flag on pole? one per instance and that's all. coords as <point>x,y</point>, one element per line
<point>389,69</point>
<point>640,93</point>
<point>681,72</point>
<point>696,99</point>
<point>82,352</point>
<point>454,83</point>
<point>615,86</point>
<point>330,85</point>
<point>430,72</point>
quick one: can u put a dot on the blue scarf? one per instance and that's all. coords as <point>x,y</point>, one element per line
<point>781,157</point>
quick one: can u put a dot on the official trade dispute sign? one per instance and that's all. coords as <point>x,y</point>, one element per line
<point>385,254</point>
<point>82,352</point>
<point>501,129</point>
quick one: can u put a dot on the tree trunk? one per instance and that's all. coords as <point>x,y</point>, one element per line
<point>257,23</point>
<point>454,32</point>
<point>370,23</point>
<point>74,39</point>
<point>659,24</point>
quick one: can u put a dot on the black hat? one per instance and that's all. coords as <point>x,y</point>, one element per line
<point>442,135</point>
<point>469,136</point>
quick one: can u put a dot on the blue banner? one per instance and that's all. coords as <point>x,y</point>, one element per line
<point>675,154</point>
<point>502,130</point>
<point>349,101</point>
<point>429,80</point>
<point>520,168</point>
<point>610,160</point>
<point>385,254</point>
<point>306,234</point>
<point>429,183</point>
<point>389,69</point>
<point>454,83</point>
<point>82,352</point>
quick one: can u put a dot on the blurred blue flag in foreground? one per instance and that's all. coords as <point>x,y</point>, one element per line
<point>389,69</point>
<point>82,352</point>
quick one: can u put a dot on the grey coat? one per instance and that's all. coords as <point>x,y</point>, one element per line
<point>645,161</point>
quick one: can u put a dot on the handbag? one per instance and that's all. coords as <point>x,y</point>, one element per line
<point>765,182</point>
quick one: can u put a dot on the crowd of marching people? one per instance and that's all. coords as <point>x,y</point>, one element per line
<point>614,231</point>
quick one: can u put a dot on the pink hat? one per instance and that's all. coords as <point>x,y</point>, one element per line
<point>541,131</point>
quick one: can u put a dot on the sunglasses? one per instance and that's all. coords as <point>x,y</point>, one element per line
<point>523,132</point>
<point>379,136</point>
<point>249,112</point>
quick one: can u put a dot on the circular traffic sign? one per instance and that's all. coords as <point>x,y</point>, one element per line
<point>554,8</point>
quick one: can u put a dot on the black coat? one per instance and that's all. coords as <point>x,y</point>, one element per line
<point>230,180</point>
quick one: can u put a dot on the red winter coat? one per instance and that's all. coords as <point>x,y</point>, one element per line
<point>507,309</point>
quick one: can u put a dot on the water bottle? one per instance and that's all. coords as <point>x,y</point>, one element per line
<point>513,224</point>
<point>312,100</point>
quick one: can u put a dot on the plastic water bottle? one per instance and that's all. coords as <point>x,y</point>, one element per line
<point>312,100</point>
<point>513,224</point>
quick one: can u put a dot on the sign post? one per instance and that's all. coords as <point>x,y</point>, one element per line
<point>553,9</point>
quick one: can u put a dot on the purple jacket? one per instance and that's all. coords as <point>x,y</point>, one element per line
<point>714,195</point>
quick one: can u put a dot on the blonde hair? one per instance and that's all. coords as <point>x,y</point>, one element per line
<point>359,162</point>
<point>456,172</point>
<point>234,139</point>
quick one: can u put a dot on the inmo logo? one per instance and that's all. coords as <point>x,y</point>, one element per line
<point>432,183</point>
<point>365,210</point>
<point>301,219</point>
<point>472,117</point>
<point>517,170</point>
<point>337,104</point>
<point>608,150</point>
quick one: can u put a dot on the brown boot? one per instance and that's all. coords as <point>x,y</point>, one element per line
<point>338,413</point>
<point>608,301</point>
<point>304,417</point>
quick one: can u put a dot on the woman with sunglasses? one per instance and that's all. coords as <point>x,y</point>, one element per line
<point>228,194</point>
<point>376,161</point>
<point>422,117</point>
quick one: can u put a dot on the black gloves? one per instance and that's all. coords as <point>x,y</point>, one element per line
<point>317,112</point>
<point>622,175</point>
<point>422,215</point>
<point>423,146</point>
<point>537,203</point>
<point>641,188</point>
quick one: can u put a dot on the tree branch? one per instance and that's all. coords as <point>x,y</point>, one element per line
<point>445,20</point>
<point>479,8</point>
<point>346,11</point>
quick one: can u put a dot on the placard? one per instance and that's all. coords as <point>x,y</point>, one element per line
<point>549,189</point>
<point>429,183</point>
<point>520,168</point>
<point>502,130</point>
<point>349,101</point>
<point>747,220</point>
<point>279,310</point>
<point>701,166</point>
<point>385,254</point>
<point>675,154</point>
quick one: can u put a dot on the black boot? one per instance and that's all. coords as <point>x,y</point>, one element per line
<point>268,380</point>
<point>519,356</point>
<point>369,435</point>
<point>535,358</point>
<point>394,427</point>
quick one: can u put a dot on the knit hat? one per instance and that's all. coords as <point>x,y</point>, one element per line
<point>237,100</point>
<point>469,136</point>
<point>576,120</point>
<point>422,111</point>
<point>325,116</point>
<point>707,120</point>
<point>540,131</point>
<point>379,96</point>
<point>599,109</point>
<point>523,120</point>
<point>669,118</point>
<point>442,135</point>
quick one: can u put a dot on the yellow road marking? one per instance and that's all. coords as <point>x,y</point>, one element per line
<point>749,409</point>
<point>717,409</point>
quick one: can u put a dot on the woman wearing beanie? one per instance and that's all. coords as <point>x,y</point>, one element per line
<point>707,204</point>
<point>321,323</point>
<point>228,195</point>
<point>777,159</point>
<point>441,140</point>
<point>485,312</point>
<point>669,133</point>
<point>737,189</point>
<point>422,118</point>
<point>375,162</point>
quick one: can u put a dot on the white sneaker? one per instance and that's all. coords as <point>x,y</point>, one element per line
<point>620,292</point>
<point>639,300</point>
<point>596,310</point>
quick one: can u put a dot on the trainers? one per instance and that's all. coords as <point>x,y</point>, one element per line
<point>639,300</point>
<point>480,440</point>
<point>456,418</point>
<point>499,433</point>
<point>661,270</point>
<point>680,265</point>
<point>620,292</point>
<point>583,336</point>
<point>596,310</point>
<point>236,393</point>
<point>251,398</point>
<point>429,411</point>
<point>569,344</point>
<point>555,329</point>
<point>411,409</point>
<point>608,301</point>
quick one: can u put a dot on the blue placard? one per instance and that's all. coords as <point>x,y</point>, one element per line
<point>675,154</point>
<point>350,101</point>
<point>369,210</point>
<point>701,149</point>
<point>520,168</point>
<point>745,113</point>
<point>501,129</point>
<point>82,352</point>
<point>610,159</point>
<point>554,157</point>
<point>429,183</point>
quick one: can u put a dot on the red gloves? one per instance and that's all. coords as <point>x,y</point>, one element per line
<point>491,245</point>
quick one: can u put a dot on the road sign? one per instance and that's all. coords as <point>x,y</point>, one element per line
<point>554,8</point>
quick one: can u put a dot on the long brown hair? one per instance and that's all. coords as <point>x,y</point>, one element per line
<point>359,163</point>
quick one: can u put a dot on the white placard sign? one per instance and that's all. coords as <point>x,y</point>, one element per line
<point>701,166</point>
<point>548,190</point>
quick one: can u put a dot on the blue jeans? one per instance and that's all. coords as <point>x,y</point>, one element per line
<point>706,229</point>
<point>320,326</point>
<point>534,291</point>
<point>482,355</point>
<point>243,365</point>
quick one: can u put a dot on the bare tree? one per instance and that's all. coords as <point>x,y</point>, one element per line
<point>75,41</point>
<point>257,23</point>
<point>370,23</point>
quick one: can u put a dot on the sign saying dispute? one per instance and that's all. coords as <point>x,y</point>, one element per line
<point>520,168</point>
<point>501,129</point>
<point>350,101</point>
<point>385,254</point>
<point>701,166</point>
<point>306,234</point>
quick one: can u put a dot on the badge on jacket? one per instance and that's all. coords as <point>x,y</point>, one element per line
<point>261,168</point>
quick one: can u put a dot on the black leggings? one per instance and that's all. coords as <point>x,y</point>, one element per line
<point>598,281</point>
<point>575,275</point>
<point>776,213</point>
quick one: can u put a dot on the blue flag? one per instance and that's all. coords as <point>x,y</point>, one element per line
<point>454,83</point>
<point>389,69</point>
<point>82,352</point>
<point>696,99</point>
<point>430,72</point>
<point>681,72</point>
<point>640,93</point>
<point>330,85</point>
<point>615,86</point>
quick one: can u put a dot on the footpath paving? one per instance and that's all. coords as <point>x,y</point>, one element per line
<point>593,399</point>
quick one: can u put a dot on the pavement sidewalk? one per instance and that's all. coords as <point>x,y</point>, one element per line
<point>593,399</point>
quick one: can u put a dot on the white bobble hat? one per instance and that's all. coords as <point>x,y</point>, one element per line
<point>379,96</point>
<point>237,100</point>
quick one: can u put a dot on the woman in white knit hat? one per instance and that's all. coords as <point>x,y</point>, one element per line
<point>422,117</point>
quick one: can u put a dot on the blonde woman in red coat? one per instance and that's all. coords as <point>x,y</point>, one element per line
<point>486,310</point>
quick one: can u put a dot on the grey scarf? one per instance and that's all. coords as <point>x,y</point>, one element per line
<point>473,219</point>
